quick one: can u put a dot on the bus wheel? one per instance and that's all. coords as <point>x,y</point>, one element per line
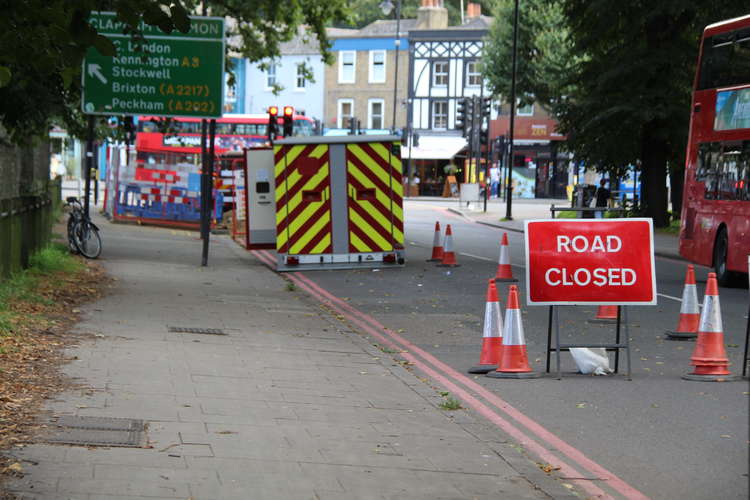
<point>724,277</point>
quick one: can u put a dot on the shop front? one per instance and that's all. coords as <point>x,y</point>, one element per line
<point>431,160</point>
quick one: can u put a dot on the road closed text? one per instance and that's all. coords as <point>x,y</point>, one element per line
<point>600,276</point>
<point>590,262</point>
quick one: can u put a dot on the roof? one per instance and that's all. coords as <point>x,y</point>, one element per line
<point>478,23</point>
<point>387,27</point>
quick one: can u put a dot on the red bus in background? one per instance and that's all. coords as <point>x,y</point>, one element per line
<point>715,222</point>
<point>182,142</point>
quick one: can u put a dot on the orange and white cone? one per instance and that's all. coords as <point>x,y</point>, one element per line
<point>605,314</point>
<point>449,257</point>
<point>437,248</point>
<point>504,272</point>
<point>514,362</point>
<point>709,356</point>
<point>690,314</point>
<point>492,335</point>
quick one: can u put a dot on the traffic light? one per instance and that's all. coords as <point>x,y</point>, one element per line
<point>464,114</point>
<point>273,126</point>
<point>485,106</point>
<point>288,123</point>
<point>483,136</point>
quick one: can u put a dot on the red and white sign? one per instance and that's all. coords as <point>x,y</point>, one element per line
<point>590,261</point>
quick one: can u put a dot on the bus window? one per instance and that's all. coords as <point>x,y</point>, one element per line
<point>303,128</point>
<point>726,60</point>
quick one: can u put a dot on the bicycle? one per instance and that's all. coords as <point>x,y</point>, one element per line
<point>83,235</point>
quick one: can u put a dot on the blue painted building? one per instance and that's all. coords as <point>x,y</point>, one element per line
<point>304,94</point>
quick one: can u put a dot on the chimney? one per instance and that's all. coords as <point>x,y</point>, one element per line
<point>473,10</point>
<point>432,15</point>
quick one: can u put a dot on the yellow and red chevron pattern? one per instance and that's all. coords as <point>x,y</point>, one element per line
<point>375,198</point>
<point>303,199</point>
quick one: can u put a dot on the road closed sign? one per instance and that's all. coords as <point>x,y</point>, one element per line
<point>590,261</point>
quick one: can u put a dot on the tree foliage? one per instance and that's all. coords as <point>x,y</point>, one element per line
<point>545,59</point>
<point>43,43</point>
<point>617,76</point>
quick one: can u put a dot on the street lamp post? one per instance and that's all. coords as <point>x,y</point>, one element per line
<point>509,187</point>
<point>387,6</point>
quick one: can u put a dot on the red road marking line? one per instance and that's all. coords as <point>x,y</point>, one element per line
<point>373,327</point>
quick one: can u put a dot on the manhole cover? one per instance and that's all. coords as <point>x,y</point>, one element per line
<point>190,329</point>
<point>90,437</point>
<point>98,431</point>
<point>100,423</point>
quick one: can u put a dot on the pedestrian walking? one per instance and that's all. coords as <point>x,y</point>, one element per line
<point>494,181</point>
<point>602,196</point>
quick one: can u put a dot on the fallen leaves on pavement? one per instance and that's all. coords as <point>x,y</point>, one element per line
<point>31,351</point>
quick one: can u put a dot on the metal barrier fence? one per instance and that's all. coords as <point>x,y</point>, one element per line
<point>26,226</point>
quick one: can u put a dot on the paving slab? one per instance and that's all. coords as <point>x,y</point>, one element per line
<point>290,403</point>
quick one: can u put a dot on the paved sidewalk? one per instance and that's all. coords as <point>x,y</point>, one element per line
<point>288,404</point>
<point>665,245</point>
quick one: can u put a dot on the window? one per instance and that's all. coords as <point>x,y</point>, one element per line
<point>375,113</point>
<point>473,77</point>
<point>271,76</point>
<point>440,115</point>
<point>527,110</point>
<point>377,66</point>
<point>347,66</point>
<point>725,168</point>
<point>301,80</point>
<point>726,60</point>
<point>345,113</point>
<point>440,74</point>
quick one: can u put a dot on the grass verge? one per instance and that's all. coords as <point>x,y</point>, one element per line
<point>37,310</point>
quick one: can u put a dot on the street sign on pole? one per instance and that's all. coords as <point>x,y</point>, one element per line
<point>590,261</point>
<point>175,74</point>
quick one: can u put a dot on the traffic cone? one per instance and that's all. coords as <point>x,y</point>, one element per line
<point>437,248</point>
<point>504,272</point>
<point>690,314</point>
<point>449,257</point>
<point>514,362</point>
<point>492,335</point>
<point>605,314</point>
<point>709,356</point>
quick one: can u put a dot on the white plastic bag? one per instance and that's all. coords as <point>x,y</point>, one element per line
<point>591,360</point>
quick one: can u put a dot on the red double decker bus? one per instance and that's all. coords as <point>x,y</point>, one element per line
<point>182,140</point>
<point>715,223</point>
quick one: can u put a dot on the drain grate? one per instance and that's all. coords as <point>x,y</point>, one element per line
<point>98,431</point>
<point>190,329</point>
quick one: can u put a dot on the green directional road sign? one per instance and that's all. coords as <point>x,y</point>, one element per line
<point>175,74</point>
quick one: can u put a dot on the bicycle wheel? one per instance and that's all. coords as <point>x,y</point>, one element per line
<point>72,245</point>
<point>88,240</point>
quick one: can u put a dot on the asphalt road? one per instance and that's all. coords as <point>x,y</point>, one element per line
<point>664,436</point>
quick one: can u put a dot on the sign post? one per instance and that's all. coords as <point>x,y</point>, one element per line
<point>175,74</point>
<point>589,262</point>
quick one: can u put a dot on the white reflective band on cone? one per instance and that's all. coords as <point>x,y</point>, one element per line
<point>493,322</point>
<point>513,332</point>
<point>689,300</point>
<point>504,258</point>
<point>711,315</point>
<point>448,244</point>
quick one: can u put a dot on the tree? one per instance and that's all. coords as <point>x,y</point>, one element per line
<point>544,59</point>
<point>43,43</point>
<point>632,97</point>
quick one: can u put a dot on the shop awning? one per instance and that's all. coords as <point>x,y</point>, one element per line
<point>434,147</point>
